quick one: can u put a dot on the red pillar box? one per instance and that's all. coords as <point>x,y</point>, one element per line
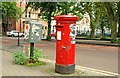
<point>65,44</point>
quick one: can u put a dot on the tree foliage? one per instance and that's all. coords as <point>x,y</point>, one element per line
<point>119,19</point>
<point>9,9</point>
<point>113,12</point>
<point>47,10</point>
<point>102,15</point>
<point>90,8</point>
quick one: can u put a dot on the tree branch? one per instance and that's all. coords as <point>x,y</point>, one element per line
<point>109,10</point>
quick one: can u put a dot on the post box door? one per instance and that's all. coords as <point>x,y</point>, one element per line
<point>63,45</point>
<point>60,53</point>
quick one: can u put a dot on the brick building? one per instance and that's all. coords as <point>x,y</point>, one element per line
<point>27,15</point>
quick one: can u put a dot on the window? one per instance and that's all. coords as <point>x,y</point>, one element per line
<point>29,14</point>
<point>45,27</point>
<point>26,14</point>
<point>26,3</point>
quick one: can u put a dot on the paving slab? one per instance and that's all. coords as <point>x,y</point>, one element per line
<point>11,69</point>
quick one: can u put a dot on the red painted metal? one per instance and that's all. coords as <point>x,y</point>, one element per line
<point>53,34</point>
<point>65,51</point>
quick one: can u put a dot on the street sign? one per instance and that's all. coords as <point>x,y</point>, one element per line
<point>33,32</point>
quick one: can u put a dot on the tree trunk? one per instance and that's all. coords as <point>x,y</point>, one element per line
<point>92,33</point>
<point>119,19</point>
<point>92,30</point>
<point>119,30</point>
<point>113,30</point>
<point>113,20</point>
<point>102,32</point>
<point>7,25</point>
<point>102,28</point>
<point>49,26</point>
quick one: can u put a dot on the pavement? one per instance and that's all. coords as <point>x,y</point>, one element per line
<point>11,69</point>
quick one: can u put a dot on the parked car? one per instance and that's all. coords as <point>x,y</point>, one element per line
<point>14,33</point>
<point>107,34</point>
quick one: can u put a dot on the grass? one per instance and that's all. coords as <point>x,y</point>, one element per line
<point>77,73</point>
<point>38,63</point>
<point>95,38</point>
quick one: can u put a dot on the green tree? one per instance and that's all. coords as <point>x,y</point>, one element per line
<point>47,10</point>
<point>10,10</point>
<point>104,23</point>
<point>64,8</point>
<point>99,12</point>
<point>119,19</point>
<point>50,9</point>
<point>102,18</point>
<point>113,12</point>
<point>91,9</point>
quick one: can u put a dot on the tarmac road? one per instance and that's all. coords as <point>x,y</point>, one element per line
<point>92,56</point>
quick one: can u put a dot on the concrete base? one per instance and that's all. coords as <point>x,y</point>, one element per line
<point>65,69</point>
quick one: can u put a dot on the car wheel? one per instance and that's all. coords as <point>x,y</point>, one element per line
<point>12,35</point>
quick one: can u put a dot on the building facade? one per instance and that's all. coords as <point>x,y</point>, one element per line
<point>28,15</point>
<point>84,25</point>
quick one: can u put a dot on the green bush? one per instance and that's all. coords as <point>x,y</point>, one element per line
<point>37,54</point>
<point>19,58</point>
<point>48,37</point>
<point>116,41</point>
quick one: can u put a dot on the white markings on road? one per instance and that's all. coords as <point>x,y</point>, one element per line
<point>107,73</point>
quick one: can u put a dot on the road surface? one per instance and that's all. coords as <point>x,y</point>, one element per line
<point>92,56</point>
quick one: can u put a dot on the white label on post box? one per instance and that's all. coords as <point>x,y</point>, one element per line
<point>72,33</point>
<point>58,35</point>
